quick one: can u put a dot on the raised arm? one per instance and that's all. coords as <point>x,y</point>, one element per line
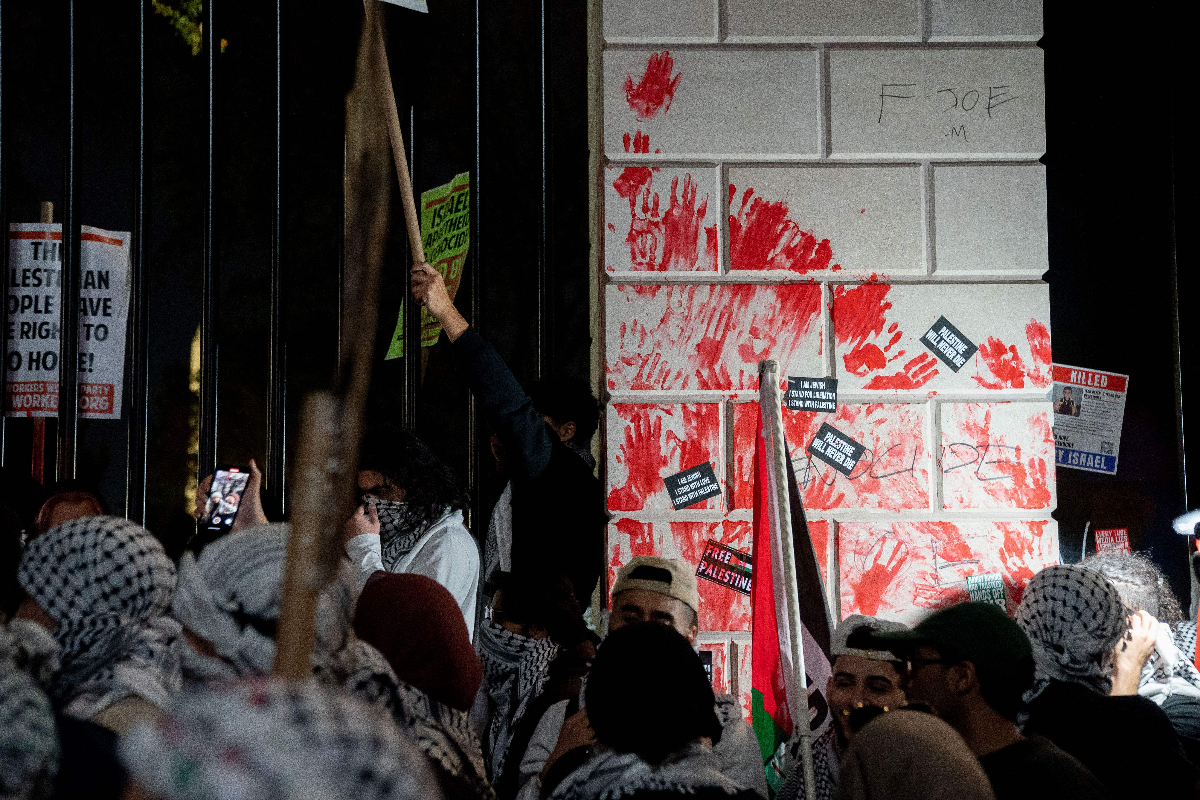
<point>527,439</point>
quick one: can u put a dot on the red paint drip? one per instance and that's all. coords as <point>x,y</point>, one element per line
<point>642,455</point>
<point>860,313</point>
<point>656,89</point>
<point>761,236</point>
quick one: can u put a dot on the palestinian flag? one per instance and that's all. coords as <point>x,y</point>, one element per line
<point>773,673</point>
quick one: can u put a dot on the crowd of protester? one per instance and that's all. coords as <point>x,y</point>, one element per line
<point>452,665</point>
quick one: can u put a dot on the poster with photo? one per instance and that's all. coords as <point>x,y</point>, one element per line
<point>1089,407</point>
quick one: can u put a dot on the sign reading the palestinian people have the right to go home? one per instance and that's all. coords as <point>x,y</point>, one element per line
<point>34,316</point>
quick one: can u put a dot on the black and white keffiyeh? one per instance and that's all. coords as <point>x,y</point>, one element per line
<point>395,542</point>
<point>231,597</point>
<point>270,739</point>
<point>1073,617</point>
<point>609,775</point>
<point>1168,671</point>
<point>29,749</point>
<point>1184,635</point>
<point>515,668</point>
<point>108,583</point>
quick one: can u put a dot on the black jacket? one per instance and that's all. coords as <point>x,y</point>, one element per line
<point>558,514</point>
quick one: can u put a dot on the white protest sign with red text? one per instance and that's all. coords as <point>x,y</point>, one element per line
<point>34,307</point>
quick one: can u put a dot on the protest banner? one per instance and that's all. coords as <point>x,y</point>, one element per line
<point>446,235</point>
<point>1089,407</point>
<point>34,300</point>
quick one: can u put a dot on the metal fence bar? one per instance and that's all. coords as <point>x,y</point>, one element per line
<point>137,436</point>
<point>3,261</point>
<point>68,354</point>
<point>277,387</point>
<point>207,455</point>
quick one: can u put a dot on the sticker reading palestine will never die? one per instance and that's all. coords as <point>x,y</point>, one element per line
<point>948,343</point>
<point>693,485</point>
<point>836,449</point>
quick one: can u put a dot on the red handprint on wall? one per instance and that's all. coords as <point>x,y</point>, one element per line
<point>881,567</point>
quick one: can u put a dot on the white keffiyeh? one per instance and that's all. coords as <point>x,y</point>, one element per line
<point>1073,617</point>
<point>29,749</point>
<point>515,668</point>
<point>108,583</point>
<point>609,775</point>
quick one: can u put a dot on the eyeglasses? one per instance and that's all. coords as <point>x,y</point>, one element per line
<point>915,664</point>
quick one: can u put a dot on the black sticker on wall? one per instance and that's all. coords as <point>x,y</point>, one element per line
<point>706,660</point>
<point>692,486</point>
<point>811,394</point>
<point>948,343</point>
<point>726,566</point>
<point>836,449</point>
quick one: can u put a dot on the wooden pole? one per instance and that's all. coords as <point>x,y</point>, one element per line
<point>772,411</point>
<point>332,422</point>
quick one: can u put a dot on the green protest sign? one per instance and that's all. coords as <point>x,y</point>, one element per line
<point>446,235</point>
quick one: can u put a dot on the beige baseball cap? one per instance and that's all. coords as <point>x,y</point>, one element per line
<point>667,576</point>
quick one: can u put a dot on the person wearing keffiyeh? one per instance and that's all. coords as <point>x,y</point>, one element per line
<point>229,601</point>
<point>411,518</point>
<point>103,586</point>
<point>1077,626</point>
<point>415,623</point>
<point>270,739</point>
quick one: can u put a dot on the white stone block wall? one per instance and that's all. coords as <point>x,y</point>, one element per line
<point>817,182</point>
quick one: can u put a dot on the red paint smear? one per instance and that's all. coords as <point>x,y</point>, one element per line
<point>703,331</point>
<point>868,590</point>
<point>762,237</point>
<point>655,91</point>
<point>1016,553</point>
<point>859,314</point>
<point>917,372</point>
<point>1039,341</point>
<point>633,180</point>
<point>643,457</point>
<point>701,429</point>
<point>1016,483</point>
<point>863,359</point>
<point>1006,364</point>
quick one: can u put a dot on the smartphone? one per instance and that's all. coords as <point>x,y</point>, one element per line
<point>224,498</point>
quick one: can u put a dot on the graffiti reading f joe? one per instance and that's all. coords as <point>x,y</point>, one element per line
<point>34,298</point>
<point>1089,407</point>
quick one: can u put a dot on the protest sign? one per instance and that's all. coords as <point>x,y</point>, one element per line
<point>836,449</point>
<point>1089,407</point>
<point>1112,540</point>
<point>987,588</point>
<point>949,344</point>
<point>726,566</point>
<point>34,301</point>
<point>693,485</point>
<point>811,394</point>
<point>446,235</point>
<point>706,661</point>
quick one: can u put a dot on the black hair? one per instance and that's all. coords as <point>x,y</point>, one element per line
<point>1002,687</point>
<point>568,400</point>
<point>430,487</point>
<point>1140,583</point>
<point>545,599</point>
<point>650,666</point>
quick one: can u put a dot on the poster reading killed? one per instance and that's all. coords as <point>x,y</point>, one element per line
<point>1089,407</point>
<point>445,235</point>
<point>34,305</point>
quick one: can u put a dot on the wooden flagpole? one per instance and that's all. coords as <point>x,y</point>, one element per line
<point>771,404</point>
<point>332,422</point>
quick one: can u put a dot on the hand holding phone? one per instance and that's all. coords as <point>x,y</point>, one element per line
<point>225,496</point>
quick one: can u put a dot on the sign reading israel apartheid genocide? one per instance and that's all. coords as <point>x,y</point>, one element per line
<point>988,588</point>
<point>1109,540</point>
<point>726,566</point>
<point>811,394</point>
<point>446,236</point>
<point>836,449</point>
<point>949,344</point>
<point>1089,408</point>
<point>693,485</point>
<point>34,319</point>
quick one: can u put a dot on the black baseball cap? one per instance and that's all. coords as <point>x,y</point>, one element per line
<point>982,634</point>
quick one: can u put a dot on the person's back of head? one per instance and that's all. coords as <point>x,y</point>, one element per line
<point>567,400</point>
<point>1141,584</point>
<point>911,755</point>
<point>417,625</point>
<point>648,693</point>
